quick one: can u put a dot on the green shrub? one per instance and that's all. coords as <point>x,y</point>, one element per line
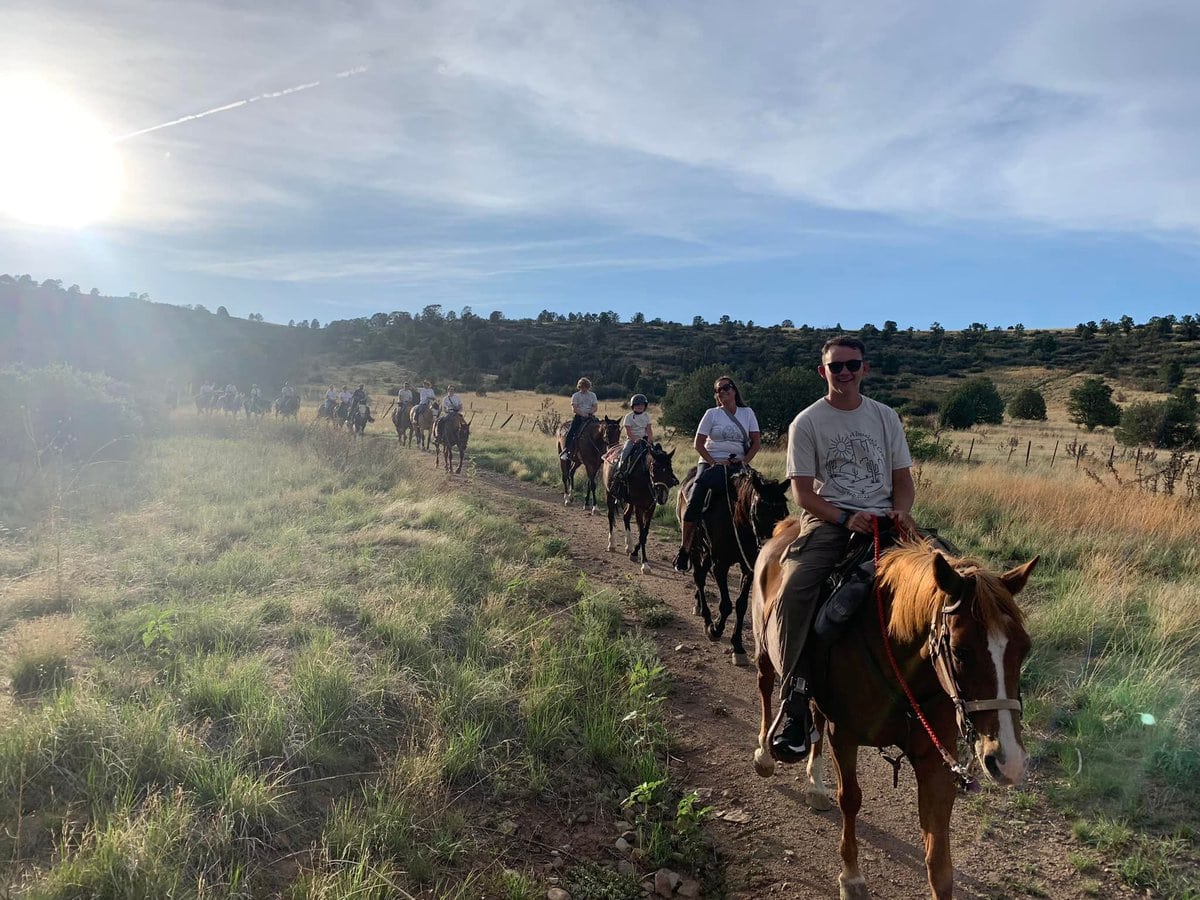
<point>1028,404</point>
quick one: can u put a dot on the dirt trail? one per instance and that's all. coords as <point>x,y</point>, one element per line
<point>772,844</point>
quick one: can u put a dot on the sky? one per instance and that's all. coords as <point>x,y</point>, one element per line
<point>1025,162</point>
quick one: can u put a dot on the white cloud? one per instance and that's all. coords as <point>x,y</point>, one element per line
<point>692,121</point>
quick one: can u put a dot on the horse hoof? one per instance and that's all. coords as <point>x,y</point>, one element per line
<point>852,888</point>
<point>645,568</point>
<point>740,659</point>
<point>612,549</point>
<point>697,611</point>
<point>764,764</point>
<point>817,801</point>
<point>633,557</point>
<point>713,634</point>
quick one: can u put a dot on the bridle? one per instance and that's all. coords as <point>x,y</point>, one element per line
<point>940,651</point>
<point>660,487</point>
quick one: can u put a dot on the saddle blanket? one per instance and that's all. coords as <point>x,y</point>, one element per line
<point>612,455</point>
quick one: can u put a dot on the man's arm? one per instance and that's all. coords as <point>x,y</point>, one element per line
<point>813,503</point>
<point>904,492</point>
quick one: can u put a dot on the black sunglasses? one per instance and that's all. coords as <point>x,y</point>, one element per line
<point>851,364</point>
<point>724,387</point>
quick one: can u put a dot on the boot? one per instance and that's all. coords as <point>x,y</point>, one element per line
<point>796,734</point>
<point>682,560</point>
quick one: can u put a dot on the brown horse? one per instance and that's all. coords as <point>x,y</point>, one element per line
<point>402,422</point>
<point>422,423</point>
<point>956,633</point>
<point>449,432</point>
<point>735,525</point>
<point>646,488</point>
<point>595,437</point>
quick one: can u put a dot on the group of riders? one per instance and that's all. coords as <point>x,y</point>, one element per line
<point>229,398</point>
<point>849,467</point>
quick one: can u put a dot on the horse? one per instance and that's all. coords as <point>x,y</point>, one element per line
<point>327,410</point>
<point>449,432</point>
<point>288,406</point>
<point>595,437</point>
<point>231,403</point>
<point>255,406</point>
<point>955,631</point>
<point>733,529</point>
<point>360,415</point>
<point>646,487</point>
<point>206,403</point>
<point>422,418</point>
<point>402,423</point>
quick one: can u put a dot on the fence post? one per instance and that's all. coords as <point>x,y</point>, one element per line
<point>506,421</point>
<point>494,415</point>
<point>1112,454</point>
<point>1137,463</point>
<point>521,427</point>
<point>1054,455</point>
<point>970,449</point>
<point>1011,451</point>
<point>1027,450</point>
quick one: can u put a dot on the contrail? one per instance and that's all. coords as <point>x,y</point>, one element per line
<point>357,70</point>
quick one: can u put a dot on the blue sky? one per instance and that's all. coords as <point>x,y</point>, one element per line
<point>826,163</point>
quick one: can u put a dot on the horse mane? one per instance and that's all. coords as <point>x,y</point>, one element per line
<point>906,571</point>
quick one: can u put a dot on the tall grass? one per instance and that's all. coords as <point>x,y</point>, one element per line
<point>300,642</point>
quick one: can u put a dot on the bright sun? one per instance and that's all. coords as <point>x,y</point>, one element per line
<point>57,167</point>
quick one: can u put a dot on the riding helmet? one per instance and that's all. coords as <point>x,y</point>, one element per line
<point>638,398</point>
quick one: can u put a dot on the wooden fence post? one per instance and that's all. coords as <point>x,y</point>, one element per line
<point>971,449</point>
<point>1054,455</point>
<point>494,415</point>
<point>1112,454</point>
<point>506,421</point>
<point>1027,451</point>
<point>1137,463</point>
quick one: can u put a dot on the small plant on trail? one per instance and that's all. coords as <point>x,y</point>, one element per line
<point>666,831</point>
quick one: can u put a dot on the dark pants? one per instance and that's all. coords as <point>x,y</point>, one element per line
<point>577,424</point>
<point>807,562</point>
<point>711,479</point>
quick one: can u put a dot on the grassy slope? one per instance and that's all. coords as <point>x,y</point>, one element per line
<point>281,665</point>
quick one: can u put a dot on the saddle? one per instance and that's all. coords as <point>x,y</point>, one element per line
<point>849,585</point>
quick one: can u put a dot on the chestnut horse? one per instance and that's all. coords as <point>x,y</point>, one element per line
<point>646,488</point>
<point>422,423</point>
<point>734,526</point>
<point>956,633</point>
<point>402,423</point>
<point>450,432</point>
<point>595,437</point>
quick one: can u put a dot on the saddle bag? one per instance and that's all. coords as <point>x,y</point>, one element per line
<point>849,593</point>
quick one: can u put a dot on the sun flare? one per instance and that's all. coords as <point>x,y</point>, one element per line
<point>57,166</point>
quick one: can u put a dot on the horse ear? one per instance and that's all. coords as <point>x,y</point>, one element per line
<point>671,454</point>
<point>1015,579</point>
<point>947,579</point>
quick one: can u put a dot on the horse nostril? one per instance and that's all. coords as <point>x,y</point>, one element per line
<point>992,762</point>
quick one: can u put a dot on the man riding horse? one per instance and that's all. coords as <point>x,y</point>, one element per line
<point>849,463</point>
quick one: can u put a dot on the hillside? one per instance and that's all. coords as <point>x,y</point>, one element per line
<point>144,342</point>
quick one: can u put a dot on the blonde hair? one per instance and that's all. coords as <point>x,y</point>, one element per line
<point>582,383</point>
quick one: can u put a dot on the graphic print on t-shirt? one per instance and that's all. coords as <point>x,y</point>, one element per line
<point>854,462</point>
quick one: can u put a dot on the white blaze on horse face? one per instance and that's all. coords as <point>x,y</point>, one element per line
<point>1013,767</point>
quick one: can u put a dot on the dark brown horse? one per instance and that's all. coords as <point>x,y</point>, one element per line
<point>646,488</point>
<point>956,633</point>
<point>402,422</point>
<point>735,524</point>
<point>595,437</point>
<point>449,432</point>
<point>360,415</point>
<point>422,423</point>
<point>287,407</point>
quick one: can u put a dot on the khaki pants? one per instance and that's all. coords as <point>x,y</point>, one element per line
<point>807,562</point>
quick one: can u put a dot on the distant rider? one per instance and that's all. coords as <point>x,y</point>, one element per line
<point>584,404</point>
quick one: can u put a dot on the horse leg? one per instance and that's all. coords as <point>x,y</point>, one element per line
<point>935,800</point>
<point>764,762</point>
<point>643,520</point>
<point>851,884</point>
<point>630,547</point>
<point>568,480</point>
<point>739,621</point>
<point>700,569</point>
<point>816,794</point>
<point>611,504</point>
<point>589,497</point>
<point>721,577</point>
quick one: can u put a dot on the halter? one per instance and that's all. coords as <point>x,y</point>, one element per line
<point>940,653</point>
